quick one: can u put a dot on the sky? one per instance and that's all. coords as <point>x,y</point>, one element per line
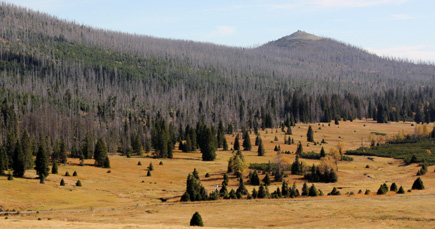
<point>393,28</point>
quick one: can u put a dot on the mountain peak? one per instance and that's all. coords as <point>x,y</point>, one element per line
<point>301,35</point>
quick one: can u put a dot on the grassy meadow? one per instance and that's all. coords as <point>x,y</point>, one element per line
<point>126,197</point>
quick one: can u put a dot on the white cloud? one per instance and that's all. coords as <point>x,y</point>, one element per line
<point>222,31</point>
<point>416,52</point>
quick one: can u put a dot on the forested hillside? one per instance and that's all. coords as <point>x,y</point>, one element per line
<point>70,82</point>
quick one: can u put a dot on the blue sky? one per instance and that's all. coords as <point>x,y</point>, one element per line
<point>398,28</point>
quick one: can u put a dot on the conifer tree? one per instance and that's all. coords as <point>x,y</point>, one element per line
<point>62,182</point>
<point>160,139</point>
<point>106,163</point>
<point>299,150</point>
<point>225,144</point>
<point>266,180</point>
<point>297,167</point>
<point>221,135</point>
<point>136,144</point>
<point>223,192</point>
<point>207,144</point>
<point>87,146</point>
<point>418,184</point>
<point>305,190</point>
<point>19,162</point>
<point>74,174</point>
<point>4,160</point>
<point>62,152</point>
<point>247,142</point>
<point>262,193</point>
<point>393,187</point>
<point>148,173</point>
<point>254,179</point>
<point>26,144</point>
<point>196,220</point>
<point>322,153</point>
<point>313,191</point>
<point>310,134</point>
<point>242,189</point>
<point>257,140</point>
<point>78,183</point>
<point>41,163</point>
<point>100,153</point>
<point>261,150</point>
<point>401,190</point>
<point>151,167</point>
<point>236,143</point>
<point>54,168</point>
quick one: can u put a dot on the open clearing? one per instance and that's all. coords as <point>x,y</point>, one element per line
<point>126,197</point>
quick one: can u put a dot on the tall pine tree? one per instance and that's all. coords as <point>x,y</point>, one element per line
<point>41,163</point>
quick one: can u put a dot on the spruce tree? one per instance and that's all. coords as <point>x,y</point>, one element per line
<point>62,152</point>
<point>266,180</point>
<point>136,144</point>
<point>305,190</point>
<point>149,173</point>
<point>74,174</point>
<point>418,184</point>
<point>236,143</point>
<point>54,169</point>
<point>100,153</point>
<point>196,220</point>
<point>257,140</point>
<point>322,152</point>
<point>225,145</point>
<point>151,167</point>
<point>299,150</point>
<point>247,142</point>
<point>41,163</point>
<point>19,163</point>
<point>208,144</point>
<point>393,187</point>
<point>254,179</point>
<point>313,191</point>
<point>262,193</point>
<point>106,163</point>
<point>4,160</point>
<point>261,150</point>
<point>78,183</point>
<point>62,182</point>
<point>401,190</point>
<point>87,146</point>
<point>26,144</point>
<point>310,134</point>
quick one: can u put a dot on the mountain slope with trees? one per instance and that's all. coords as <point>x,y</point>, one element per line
<point>65,82</point>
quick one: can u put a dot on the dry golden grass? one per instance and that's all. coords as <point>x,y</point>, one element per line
<point>126,197</point>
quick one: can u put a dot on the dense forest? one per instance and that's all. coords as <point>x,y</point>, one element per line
<point>71,84</point>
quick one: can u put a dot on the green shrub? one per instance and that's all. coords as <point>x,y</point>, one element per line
<point>79,183</point>
<point>62,182</point>
<point>401,190</point>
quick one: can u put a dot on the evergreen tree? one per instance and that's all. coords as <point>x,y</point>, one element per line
<point>254,193</point>
<point>261,150</point>
<point>54,169</point>
<point>62,182</point>
<point>313,191</point>
<point>225,144</point>
<point>393,187</point>
<point>221,135</point>
<point>299,150</point>
<point>401,190</point>
<point>262,193</point>
<point>62,152</point>
<point>26,144</point>
<point>257,140</point>
<point>310,134</point>
<point>136,144</point>
<point>297,167</point>
<point>4,160</point>
<point>381,116</point>
<point>100,153</point>
<point>242,189</point>
<point>305,190</point>
<point>254,179</point>
<point>247,142</point>
<point>196,220</point>
<point>160,139</point>
<point>335,192</point>
<point>266,180</point>
<point>383,189</point>
<point>19,161</point>
<point>418,184</point>
<point>74,174</point>
<point>208,144</point>
<point>87,146</point>
<point>78,183</point>
<point>148,173</point>
<point>322,153</point>
<point>223,192</point>
<point>236,143</point>
<point>106,163</point>
<point>151,168</point>
<point>41,163</point>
